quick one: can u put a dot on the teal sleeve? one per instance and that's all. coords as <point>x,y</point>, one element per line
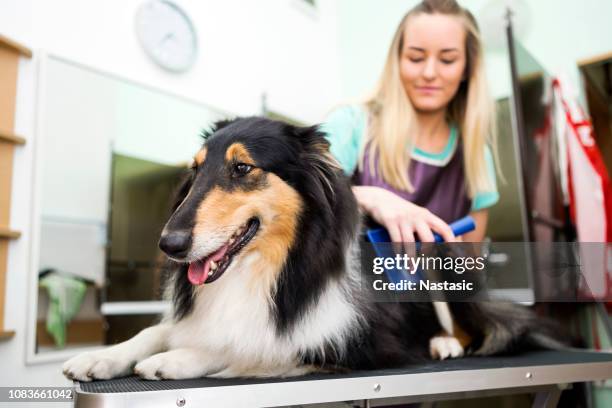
<point>344,129</point>
<point>487,199</point>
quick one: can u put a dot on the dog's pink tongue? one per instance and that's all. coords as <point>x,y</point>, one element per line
<point>198,270</point>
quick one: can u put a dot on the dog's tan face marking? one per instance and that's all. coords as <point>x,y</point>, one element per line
<point>277,205</point>
<point>281,207</point>
<point>200,156</point>
<point>238,153</point>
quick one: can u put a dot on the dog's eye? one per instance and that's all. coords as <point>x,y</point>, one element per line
<point>241,169</point>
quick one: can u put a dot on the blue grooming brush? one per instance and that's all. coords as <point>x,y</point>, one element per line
<point>459,227</point>
<point>380,235</point>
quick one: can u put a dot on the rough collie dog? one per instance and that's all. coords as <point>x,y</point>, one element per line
<point>264,260</point>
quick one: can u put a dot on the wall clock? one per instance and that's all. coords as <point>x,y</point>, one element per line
<point>167,35</point>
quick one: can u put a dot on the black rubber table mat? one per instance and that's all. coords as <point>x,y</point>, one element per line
<point>531,359</point>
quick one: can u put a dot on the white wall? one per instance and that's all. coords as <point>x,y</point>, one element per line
<point>246,48</point>
<point>280,47</point>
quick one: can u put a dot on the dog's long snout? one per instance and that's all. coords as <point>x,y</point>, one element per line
<point>175,243</point>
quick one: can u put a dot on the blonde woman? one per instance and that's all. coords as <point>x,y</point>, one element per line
<point>419,147</point>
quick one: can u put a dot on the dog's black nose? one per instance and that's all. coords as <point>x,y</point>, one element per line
<point>175,243</point>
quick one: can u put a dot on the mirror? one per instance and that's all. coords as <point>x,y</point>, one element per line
<point>111,154</point>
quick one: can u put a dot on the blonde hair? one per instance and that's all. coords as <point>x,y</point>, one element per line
<point>392,117</point>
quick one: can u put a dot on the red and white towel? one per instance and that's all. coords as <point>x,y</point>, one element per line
<point>585,184</point>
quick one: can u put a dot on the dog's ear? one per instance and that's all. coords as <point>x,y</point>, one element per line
<point>315,148</point>
<point>323,167</point>
<point>205,134</point>
<point>312,139</point>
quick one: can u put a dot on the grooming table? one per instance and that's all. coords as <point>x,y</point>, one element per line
<point>544,373</point>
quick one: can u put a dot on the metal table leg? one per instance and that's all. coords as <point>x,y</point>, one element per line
<point>547,399</point>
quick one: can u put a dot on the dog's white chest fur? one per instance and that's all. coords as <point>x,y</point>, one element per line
<point>233,320</point>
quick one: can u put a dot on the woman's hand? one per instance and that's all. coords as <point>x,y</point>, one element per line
<point>401,218</point>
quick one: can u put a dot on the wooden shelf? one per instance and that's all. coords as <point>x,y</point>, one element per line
<point>596,59</point>
<point>11,52</point>
<point>11,138</point>
<point>10,234</point>
<point>6,335</point>
<point>15,46</point>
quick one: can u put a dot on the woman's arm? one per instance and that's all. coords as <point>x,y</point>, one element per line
<point>480,217</point>
<point>402,218</point>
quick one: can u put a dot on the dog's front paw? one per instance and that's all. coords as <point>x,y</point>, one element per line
<point>442,347</point>
<point>172,365</point>
<point>97,365</point>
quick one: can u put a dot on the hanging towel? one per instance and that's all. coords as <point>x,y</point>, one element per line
<point>65,297</point>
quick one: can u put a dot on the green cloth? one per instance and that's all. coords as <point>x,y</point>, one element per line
<point>65,298</point>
